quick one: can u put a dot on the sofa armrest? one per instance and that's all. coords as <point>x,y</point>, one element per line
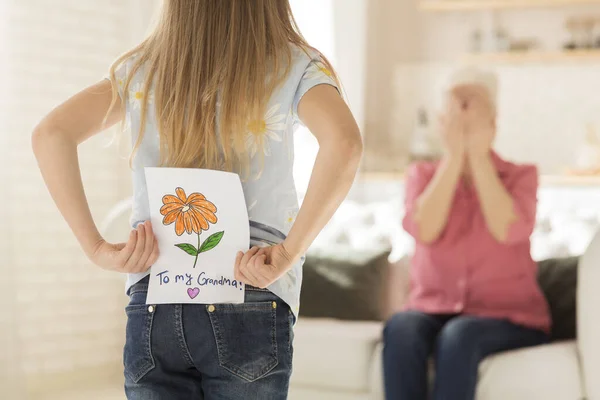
<point>588,320</point>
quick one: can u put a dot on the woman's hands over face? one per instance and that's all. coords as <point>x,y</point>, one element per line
<point>468,123</point>
<point>453,128</point>
<point>479,120</point>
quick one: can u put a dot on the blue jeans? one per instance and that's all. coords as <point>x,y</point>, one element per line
<point>194,352</point>
<point>458,343</point>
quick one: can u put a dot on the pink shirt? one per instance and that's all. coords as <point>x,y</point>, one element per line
<point>466,270</point>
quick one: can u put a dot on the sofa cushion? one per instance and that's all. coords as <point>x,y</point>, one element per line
<point>347,285</point>
<point>558,280</point>
<point>549,372</point>
<point>334,354</point>
<point>588,323</point>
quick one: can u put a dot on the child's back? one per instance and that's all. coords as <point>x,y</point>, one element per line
<point>216,85</point>
<point>269,189</point>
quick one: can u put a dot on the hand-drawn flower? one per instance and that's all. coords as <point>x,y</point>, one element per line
<point>190,214</point>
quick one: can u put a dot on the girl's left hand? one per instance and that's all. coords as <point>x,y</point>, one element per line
<point>260,267</point>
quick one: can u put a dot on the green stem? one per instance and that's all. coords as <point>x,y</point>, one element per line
<point>197,251</point>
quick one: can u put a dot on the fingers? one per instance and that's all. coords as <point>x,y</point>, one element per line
<point>248,255</point>
<point>458,101</point>
<point>239,275</point>
<point>256,266</point>
<point>250,273</point>
<point>153,255</point>
<point>249,268</point>
<point>238,259</point>
<point>132,264</point>
<point>475,100</point>
<point>139,253</point>
<point>138,261</point>
<point>126,252</point>
<point>149,247</point>
<point>236,270</point>
<point>453,117</point>
<point>479,103</point>
<point>242,271</point>
<point>456,104</point>
<point>261,269</point>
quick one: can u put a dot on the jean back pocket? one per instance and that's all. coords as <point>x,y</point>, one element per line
<point>246,337</point>
<point>137,354</point>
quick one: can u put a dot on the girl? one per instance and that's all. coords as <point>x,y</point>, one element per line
<point>218,84</point>
<point>474,290</point>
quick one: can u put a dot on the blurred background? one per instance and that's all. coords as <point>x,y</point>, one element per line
<point>62,319</point>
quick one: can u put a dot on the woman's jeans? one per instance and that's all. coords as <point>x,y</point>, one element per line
<point>458,344</point>
<point>221,351</point>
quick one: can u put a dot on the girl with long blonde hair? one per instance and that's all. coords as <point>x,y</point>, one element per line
<point>217,84</point>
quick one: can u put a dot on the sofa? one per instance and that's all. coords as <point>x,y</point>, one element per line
<point>336,359</point>
<point>342,359</point>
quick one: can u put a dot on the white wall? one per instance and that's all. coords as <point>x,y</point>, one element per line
<point>544,108</point>
<point>67,315</point>
<point>338,28</point>
<point>350,32</point>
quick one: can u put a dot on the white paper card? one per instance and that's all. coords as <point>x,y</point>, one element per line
<point>200,220</point>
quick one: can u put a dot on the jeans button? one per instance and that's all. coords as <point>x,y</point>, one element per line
<point>211,308</point>
<point>150,309</point>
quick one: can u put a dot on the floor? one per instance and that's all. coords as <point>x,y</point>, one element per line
<point>99,393</point>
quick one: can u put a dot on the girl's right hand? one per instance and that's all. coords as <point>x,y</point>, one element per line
<point>453,128</point>
<point>137,255</point>
<point>260,267</point>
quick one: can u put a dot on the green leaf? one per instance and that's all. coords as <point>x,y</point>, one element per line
<point>211,242</point>
<point>188,248</point>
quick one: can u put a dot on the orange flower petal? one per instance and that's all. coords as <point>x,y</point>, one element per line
<point>195,224</point>
<point>187,222</point>
<point>210,217</point>
<point>195,197</point>
<point>167,208</point>
<point>201,220</point>
<point>204,204</point>
<point>181,194</point>
<point>179,225</point>
<point>169,198</point>
<point>171,217</point>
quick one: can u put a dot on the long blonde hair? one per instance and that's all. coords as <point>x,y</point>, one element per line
<point>205,55</point>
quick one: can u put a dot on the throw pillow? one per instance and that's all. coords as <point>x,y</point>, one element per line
<point>558,280</point>
<point>346,286</point>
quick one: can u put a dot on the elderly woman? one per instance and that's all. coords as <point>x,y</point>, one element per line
<point>473,282</point>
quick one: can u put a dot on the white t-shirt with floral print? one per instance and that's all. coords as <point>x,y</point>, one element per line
<point>271,198</point>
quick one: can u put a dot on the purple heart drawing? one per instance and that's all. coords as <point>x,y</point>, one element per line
<point>193,292</point>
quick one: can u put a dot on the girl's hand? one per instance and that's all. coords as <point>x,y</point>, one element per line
<point>137,255</point>
<point>260,267</point>
<point>453,128</point>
